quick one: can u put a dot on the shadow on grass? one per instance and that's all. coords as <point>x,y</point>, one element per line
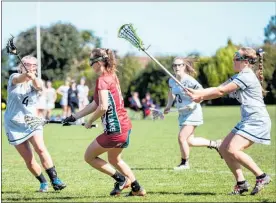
<point>183,193</point>
<point>149,169</point>
<point>22,199</point>
<point>10,192</point>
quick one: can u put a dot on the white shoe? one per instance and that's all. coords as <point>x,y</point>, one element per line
<point>182,167</point>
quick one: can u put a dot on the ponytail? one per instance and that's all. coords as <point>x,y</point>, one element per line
<point>260,76</point>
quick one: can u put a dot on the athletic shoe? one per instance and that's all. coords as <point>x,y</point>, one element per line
<point>182,167</point>
<point>141,192</point>
<point>260,184</point>
<point>119,186</point>
<point>43,187</point>
<point>239,189</point>
<point>58,184</point>
<point>216,146</point>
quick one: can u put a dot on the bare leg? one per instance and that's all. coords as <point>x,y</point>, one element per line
<point>25,151</point>
<point>114,158</point>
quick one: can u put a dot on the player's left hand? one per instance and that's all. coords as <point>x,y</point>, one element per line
<point>88,124</point>
<point>194,95</point>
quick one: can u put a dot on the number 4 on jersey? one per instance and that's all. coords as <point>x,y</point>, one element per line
<point>25,100</point>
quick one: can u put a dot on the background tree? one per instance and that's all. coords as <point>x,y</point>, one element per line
<point>270,31</point>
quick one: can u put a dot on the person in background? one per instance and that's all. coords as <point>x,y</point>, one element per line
<point>51,97</point>
<point>63,91</point>
<point>82,96</point>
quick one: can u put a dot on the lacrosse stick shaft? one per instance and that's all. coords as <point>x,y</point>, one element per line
<point>165,69</point>
<point>22,63</point>
<point>60,122</point>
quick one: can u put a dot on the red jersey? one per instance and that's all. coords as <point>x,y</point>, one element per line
<point>115,120</point>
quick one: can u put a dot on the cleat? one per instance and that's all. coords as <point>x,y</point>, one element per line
<point>58,184</point>
<point>239,189</point>
<point>119,186</point>
<point>43,187</point>
<point>182,167</point>
<point>216,146</point>
<point>141,192</point>
<point>260,184</point>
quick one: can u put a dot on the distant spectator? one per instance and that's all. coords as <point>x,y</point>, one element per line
<point>51,97</point>
<point>147,103</point>
<point>63,90</point>
<point>73,101</point>
<point>82,95</point>
<point>41,101</point>
<point>134,101</point>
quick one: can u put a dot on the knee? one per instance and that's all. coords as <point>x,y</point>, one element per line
<point>113,161</point>
<point>181,139</point>
<point>40,150</point>
<point>88,158</point>
<point>30,162</point>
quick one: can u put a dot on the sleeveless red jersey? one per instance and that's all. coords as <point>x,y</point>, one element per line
<point>115,120</point>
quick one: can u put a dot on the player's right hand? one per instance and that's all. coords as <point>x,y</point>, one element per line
<point>167,110</point>
<point>69,119</point>
<point>31,75</point>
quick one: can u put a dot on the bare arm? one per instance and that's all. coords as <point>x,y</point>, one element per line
<point>102,108</point>
<point>90,108</point>
<point>212,92</point>
<point>171,98</point>
<point>37,83</point>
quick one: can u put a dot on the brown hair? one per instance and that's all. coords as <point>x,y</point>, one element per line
<point>252,57</point>
<point>108,58</point>
<point>189,65</point>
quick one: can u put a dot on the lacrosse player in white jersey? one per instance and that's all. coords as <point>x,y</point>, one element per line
<point>23,88</point>
<point>255,124</point>
<point>190,113</point>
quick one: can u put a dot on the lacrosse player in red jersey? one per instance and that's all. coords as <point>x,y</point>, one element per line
<point>23,88</point>
<point>109,105</point>
<point>190,113</point>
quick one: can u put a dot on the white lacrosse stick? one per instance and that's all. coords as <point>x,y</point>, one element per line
<point>34,122</point>
<point>128,33</point>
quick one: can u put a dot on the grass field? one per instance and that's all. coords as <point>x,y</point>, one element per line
<point>152,154</point>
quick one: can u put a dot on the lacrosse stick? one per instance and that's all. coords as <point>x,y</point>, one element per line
<point>34,122</point>
<point>128,33</point>
<point>11,49</point>
<point>157,113</point>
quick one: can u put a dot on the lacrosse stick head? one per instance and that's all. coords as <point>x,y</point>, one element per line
<point>10,47</point>
<point>157,114</point>
<point>128,33</point>
<point>34,122</point>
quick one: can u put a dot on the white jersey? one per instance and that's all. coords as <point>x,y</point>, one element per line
<point>50,94</point>
<point>82,91</point>
<point>21,101</point>
<point>83,94</point>
<point>249,94</point>
<point>255,123</point>
<point>64,90</point>
<point>192,117</point>
<point>182,99</point>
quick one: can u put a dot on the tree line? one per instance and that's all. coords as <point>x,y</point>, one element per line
<point>65,52</point>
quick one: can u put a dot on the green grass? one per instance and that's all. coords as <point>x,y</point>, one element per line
<point>152,154</point>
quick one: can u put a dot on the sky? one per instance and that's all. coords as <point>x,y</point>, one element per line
<point>171,28</point>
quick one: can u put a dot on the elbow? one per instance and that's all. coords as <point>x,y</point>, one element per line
<point>103,108</point>
<point>220,92</point>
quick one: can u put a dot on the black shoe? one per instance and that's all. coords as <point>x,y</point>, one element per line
<point>119,186</point>
<point>239,189</point>
<point>58,184</point>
